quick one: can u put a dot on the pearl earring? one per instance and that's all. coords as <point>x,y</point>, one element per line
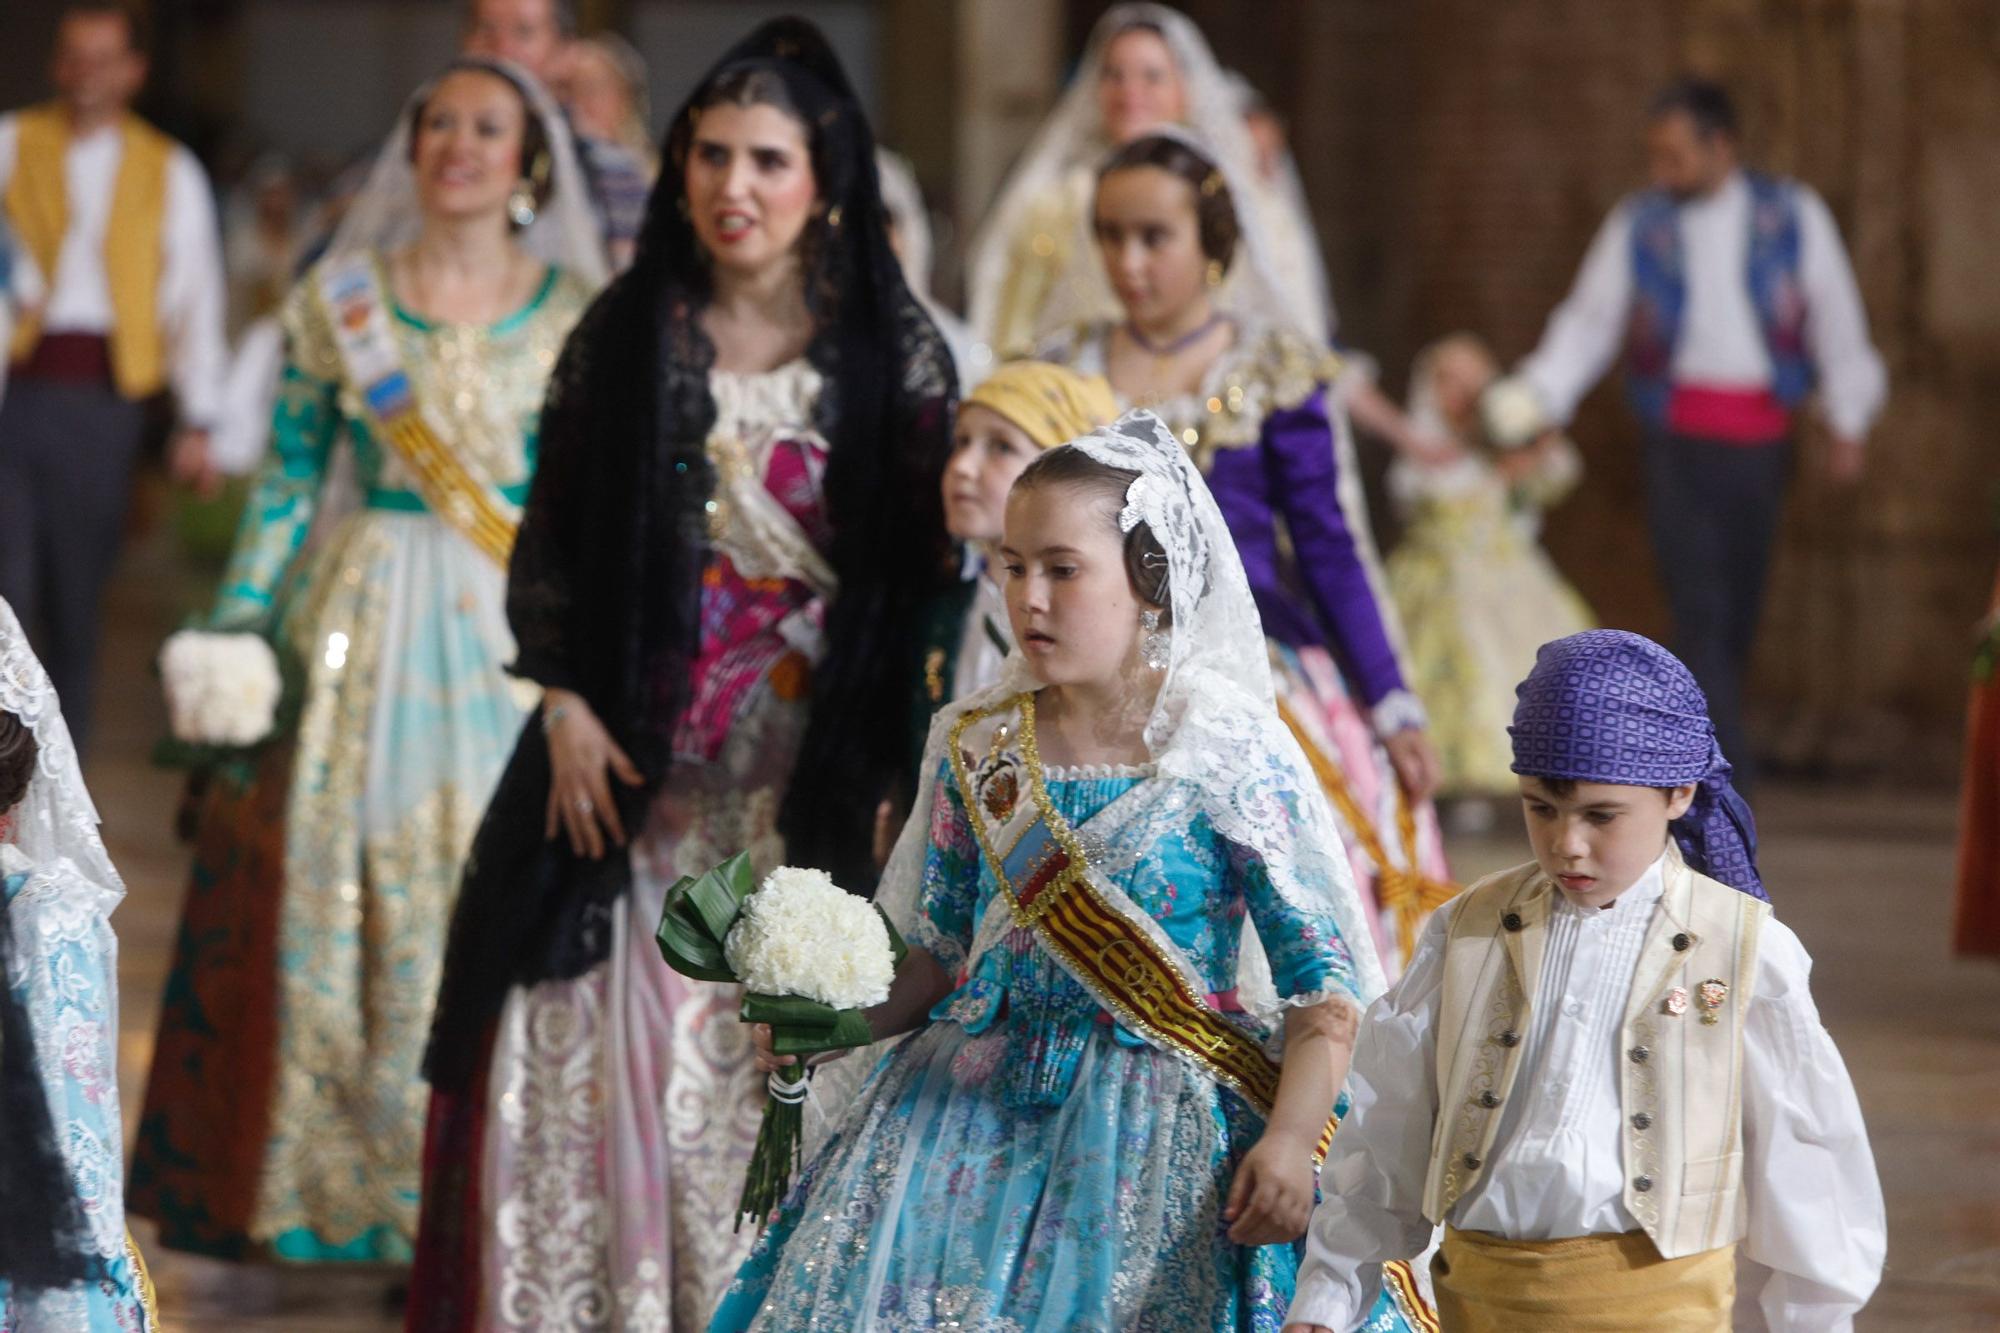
<point>521,204</point>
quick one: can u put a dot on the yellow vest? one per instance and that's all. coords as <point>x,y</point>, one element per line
<point>1680,1079</point>
<point>37,203</point>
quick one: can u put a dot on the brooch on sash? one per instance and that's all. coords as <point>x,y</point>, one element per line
<point>997,781</point>
<point>1712,992</point>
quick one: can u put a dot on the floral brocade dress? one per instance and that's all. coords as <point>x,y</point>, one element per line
<point>61,965</point>
<point>1478,596</point>
<point>1025,1163</point>
<point>621,1106</point>
<point>284,1113</point>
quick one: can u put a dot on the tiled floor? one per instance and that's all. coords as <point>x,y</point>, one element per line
<point>1862,876</point>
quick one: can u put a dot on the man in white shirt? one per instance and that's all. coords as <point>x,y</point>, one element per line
<point>1731,295</point>
<point>119,221</point>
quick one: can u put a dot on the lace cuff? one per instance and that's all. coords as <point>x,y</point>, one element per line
<point>1399,710</point>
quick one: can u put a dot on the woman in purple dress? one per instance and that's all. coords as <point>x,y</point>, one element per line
<point>1251,400</point>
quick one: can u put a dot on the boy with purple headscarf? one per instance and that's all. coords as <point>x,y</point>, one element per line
<point>1603,1073</point>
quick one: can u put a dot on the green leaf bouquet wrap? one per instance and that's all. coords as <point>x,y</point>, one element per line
<point>810,957</point>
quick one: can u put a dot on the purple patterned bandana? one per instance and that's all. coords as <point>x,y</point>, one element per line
<point>1611,706</point>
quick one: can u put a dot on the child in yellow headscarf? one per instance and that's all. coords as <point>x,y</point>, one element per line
<point>1018,411</point>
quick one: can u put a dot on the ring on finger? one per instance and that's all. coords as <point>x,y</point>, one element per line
<point>585,805</point>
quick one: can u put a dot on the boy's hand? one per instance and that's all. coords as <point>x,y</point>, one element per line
<point>1271,1198</point>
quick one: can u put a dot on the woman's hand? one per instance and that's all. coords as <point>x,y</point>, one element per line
<point>580,753</point>
<point>1271,1197</point>
<point>1416,762</point>
<point>1306,1328</point>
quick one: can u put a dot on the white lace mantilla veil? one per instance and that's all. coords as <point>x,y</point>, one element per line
<point>1215,735</point>
<point>384,216</point>
<point>1300,261</point>
<point>1072,140</point>
<point>72,888</point>
<point>56,824</point>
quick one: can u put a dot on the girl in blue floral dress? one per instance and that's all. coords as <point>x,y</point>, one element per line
<point>1121,886</point>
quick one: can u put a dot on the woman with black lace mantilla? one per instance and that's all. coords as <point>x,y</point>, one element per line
<point>717,580</point>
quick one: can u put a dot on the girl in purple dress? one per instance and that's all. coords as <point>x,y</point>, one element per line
<point>1251,400</point>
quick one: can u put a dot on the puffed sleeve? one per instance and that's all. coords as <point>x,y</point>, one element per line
<point>279,511</point>
<point>1371,1205</point>
<point>1310,960</point>
<point>1814,1251</point>
<point>1329,530</point>
<point>948,901</point>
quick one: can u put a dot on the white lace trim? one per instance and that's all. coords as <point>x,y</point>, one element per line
<point>755,402</point>
<point>754,411</point>
<point>1097,772</point>
<point>1399,710</point>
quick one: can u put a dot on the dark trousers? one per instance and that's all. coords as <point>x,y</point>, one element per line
<point>67,452</point>
<point>1713,509</point>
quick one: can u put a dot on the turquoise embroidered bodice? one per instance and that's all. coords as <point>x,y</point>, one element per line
<point>483,385</point>
<point>1188,878</point>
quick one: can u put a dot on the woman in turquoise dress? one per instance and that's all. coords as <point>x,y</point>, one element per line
<point>66,1264</point>
<point>284,1115</point>
<point>1110,910</point>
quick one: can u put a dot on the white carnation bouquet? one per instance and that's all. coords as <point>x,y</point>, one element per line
<point>222,690</point>
<point>810,958</point>
<point>1512,414</point>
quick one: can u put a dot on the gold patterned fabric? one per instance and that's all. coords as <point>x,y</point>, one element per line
<point>1052,404</point>
<point>398,626</point>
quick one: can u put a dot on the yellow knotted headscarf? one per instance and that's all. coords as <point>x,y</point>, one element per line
<point>1052,404</point>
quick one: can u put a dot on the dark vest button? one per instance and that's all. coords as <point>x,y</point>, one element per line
<point>1642,1121</point>
<point>1510,1039</point>
<point>1682,943</point>
<point>1640,1055</point>
<point>1471,1161</point>
<point>1642,1183</point>
<point>1489,1100</point>
<point>1512,920</point>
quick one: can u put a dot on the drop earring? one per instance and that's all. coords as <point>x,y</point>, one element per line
<point>521,204</point>
<point>1215,272</point>
<point>1157,642</point>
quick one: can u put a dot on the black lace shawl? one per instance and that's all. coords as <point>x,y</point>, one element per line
<point>604,590</point>
<point>43,1243</point>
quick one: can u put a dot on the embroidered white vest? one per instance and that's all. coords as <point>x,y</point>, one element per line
<point>1680,1075</point>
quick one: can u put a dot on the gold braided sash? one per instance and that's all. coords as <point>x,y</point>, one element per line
<point>357,311</point>
<point>1403,889</point>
